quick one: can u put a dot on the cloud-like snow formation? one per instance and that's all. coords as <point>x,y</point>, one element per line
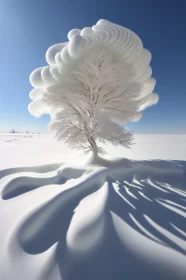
<point>124,50</point>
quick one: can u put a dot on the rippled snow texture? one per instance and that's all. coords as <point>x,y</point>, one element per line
<point>124,219</point>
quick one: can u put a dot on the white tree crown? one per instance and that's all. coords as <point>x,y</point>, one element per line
<point>96,83</point>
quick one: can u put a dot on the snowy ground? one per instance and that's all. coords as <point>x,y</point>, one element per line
<point>29,149</point>
<point>103,220</point>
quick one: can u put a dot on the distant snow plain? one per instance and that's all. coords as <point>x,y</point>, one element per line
<point>34,149</point>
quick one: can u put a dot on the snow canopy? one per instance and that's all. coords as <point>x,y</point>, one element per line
<point>124,51</point>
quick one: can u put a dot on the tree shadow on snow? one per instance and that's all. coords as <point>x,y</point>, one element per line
<point>147,200</point>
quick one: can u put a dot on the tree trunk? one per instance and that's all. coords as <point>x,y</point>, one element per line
<point>93,145</point>
<point>91,141</point>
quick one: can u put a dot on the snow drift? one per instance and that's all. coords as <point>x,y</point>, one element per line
<point>100,220</point>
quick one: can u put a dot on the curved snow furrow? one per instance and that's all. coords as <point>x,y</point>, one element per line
<point>172,189</point>
<point>140,206</point>
<point>85,232</point>
<point>151,183</point>
<point>23,184</point>
<point>164,262</point>
<point>174,204</point>
<point>88,224</point>
<point>117,189</point>
<point>137,182</point>
<point>70,226</point>
<point>172,208</point>
<point>42,229</point>
<point>179,230</point>
<point>143,195</point>
<point>130,193</point>
<point>159,170</point>
<point>178,241</point>
<point>38,169</point>
<point>132,185</point>
<point>145,227</point>
<point>144,230</point>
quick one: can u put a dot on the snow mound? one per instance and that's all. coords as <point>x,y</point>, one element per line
<point>101,220</point>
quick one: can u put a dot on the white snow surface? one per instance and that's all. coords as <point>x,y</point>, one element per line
<point>36,149</point>
<point>66,217</point>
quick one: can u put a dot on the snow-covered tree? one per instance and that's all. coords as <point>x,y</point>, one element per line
<point>86,106</point>
<point>96,83</point>
<point>13,131</point>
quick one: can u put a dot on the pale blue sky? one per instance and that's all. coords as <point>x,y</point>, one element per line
<point>29,27</point>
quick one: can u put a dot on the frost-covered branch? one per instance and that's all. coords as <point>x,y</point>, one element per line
<point>95,86</point>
